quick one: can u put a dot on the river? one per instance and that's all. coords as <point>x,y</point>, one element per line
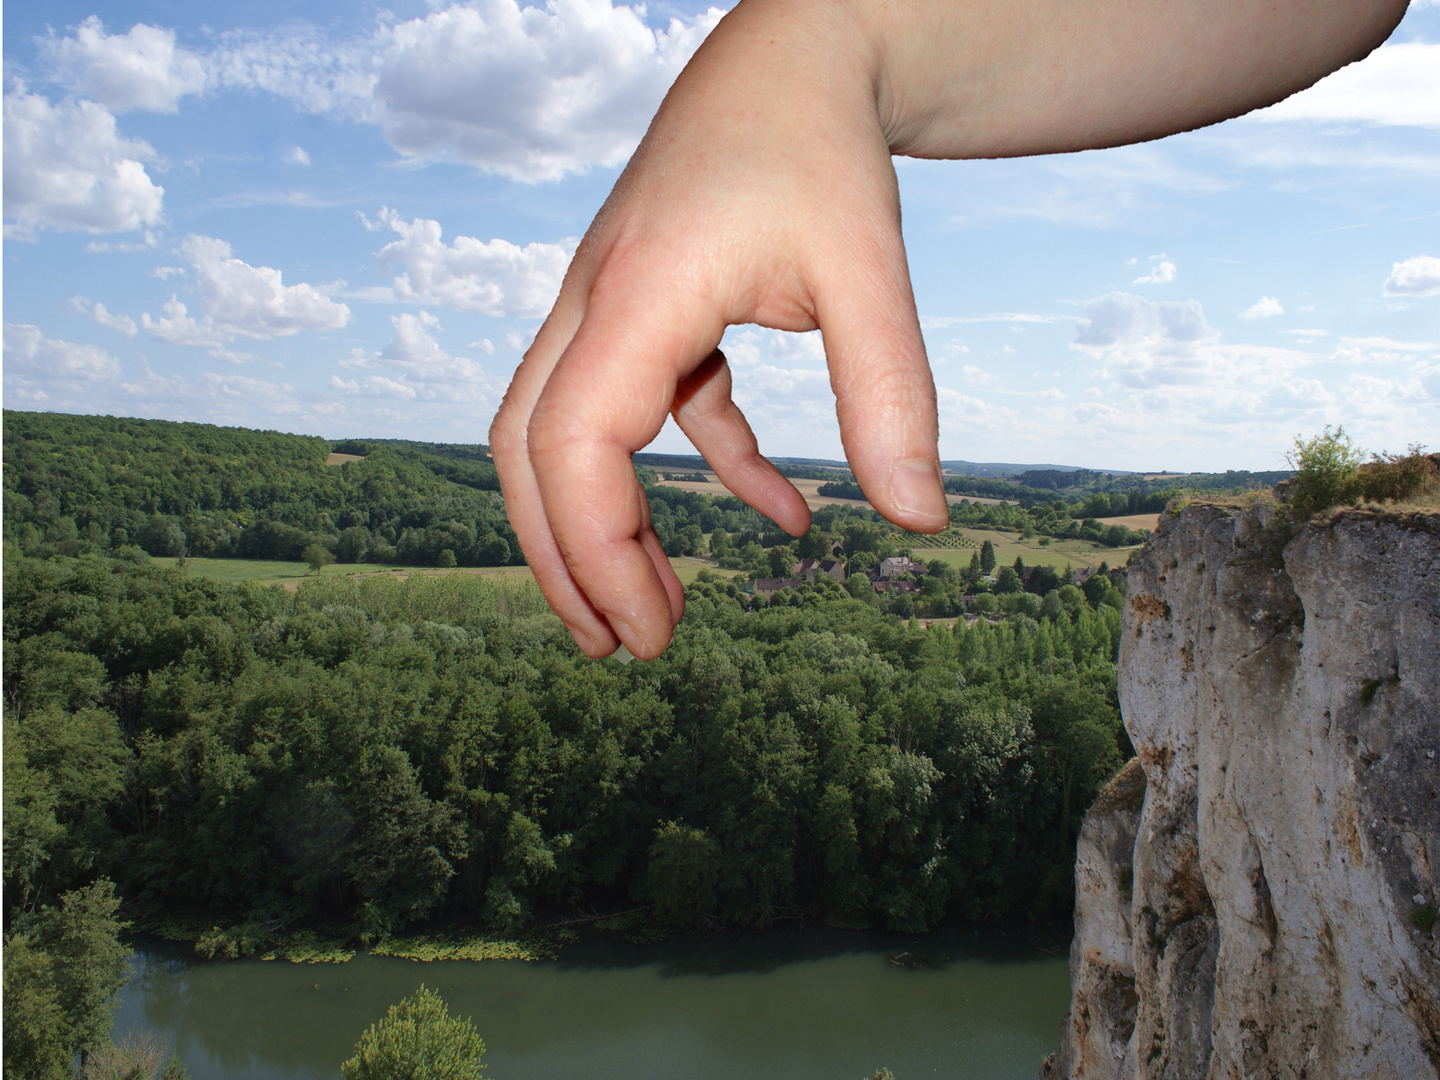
<point>966,1001</point>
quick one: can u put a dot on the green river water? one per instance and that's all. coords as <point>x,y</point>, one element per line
<point>979,1002</point>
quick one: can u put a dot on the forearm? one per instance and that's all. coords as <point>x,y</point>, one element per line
<point>999,78</point>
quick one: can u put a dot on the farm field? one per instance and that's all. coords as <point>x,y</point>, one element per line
<point>1135,521</point>
<point>809,489</point>
<point>290,574</point>
<point>265,570</point>
<point>1057,553</point>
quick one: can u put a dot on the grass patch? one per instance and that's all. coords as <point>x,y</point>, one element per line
<point>424,948</point>
<point>272,571</point>
<point>311,947</point>
<point>263,570</point>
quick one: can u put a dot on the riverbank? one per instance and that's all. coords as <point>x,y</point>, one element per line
<point>969,1000</point>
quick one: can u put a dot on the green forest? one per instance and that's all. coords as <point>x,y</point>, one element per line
<point>370,757</point>
<point>380,752</point>
<point>77,484</point>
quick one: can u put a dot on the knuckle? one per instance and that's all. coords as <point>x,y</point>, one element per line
<point>507,433</point>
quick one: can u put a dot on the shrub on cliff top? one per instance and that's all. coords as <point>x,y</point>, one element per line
<point>1330,470</point>
<point>1399,476</point>
<point>1327,471</point>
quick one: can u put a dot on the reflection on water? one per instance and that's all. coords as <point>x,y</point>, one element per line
<point>982,1002</point>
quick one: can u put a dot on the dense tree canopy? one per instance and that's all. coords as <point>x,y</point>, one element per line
<point>377,752</point>
<point>418,1039</point>
<point>77,484</point>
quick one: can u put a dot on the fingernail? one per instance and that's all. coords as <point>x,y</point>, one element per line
<point>635,642</point>
<point>625,632</point>
<point>588,645</point>
<point>916,488</point>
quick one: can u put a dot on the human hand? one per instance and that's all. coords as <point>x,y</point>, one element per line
<point>764,193</point>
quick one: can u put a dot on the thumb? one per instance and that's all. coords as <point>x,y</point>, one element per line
<point>884,393</point>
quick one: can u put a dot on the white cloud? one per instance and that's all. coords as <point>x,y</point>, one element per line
<point>484,346</point>
<point>148,239</point>
<point>532,93</point>
<point>495,278</point>
<point>1378,350</point>
<point>975,377</point>
<point>1170,382</point>
<point>141,69</point>
<point>67,168</point>
<point>164,273</point>
<point>1419,276</point>
<point>515,341</point>
<point>298,156</point>
<point>241,300</point>
<point>177,327</point>
<point>752,346</point>
<point>1308,333</point>
<point>98,312</point>
<point>37,367</point>
<point>1395,85</point>
<point>423,369</point>
<point>1146,342</point>
<point>300,64</point>
<point>1264,308</point>
<point>1161,274</point>
<point>940,322</point>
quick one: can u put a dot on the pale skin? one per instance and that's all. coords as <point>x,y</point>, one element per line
<point>764,193</point>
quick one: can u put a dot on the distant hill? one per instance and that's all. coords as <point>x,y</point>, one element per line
<point>80,483</point>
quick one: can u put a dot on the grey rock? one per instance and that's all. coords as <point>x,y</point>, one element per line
<point>1282,691</point>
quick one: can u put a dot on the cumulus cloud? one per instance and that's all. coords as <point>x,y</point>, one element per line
<point>494,278</point>
<point>298,156</point>
<point>422,369</point>
<point>37,367</point>
<point>1264,308</point>
<point>782,385</point>
<point>532,93</point>
<point>1419,276</point>
<point>1146,342</point>
<point>98,312</point>
<point>141,69</point>
<point>1170,365</point>
<point>67,168</point>
<point>1161,274</point>
<point>1396,85</point>
<point>240,300</point>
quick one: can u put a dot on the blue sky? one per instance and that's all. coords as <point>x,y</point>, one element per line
<point>349,220</point>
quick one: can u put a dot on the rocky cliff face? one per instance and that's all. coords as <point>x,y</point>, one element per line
<point>1255,894</point>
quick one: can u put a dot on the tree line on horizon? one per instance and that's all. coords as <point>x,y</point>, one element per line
<point>78,484</point>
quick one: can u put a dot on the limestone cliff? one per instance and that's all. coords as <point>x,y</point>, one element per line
<point>1266,908</point>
